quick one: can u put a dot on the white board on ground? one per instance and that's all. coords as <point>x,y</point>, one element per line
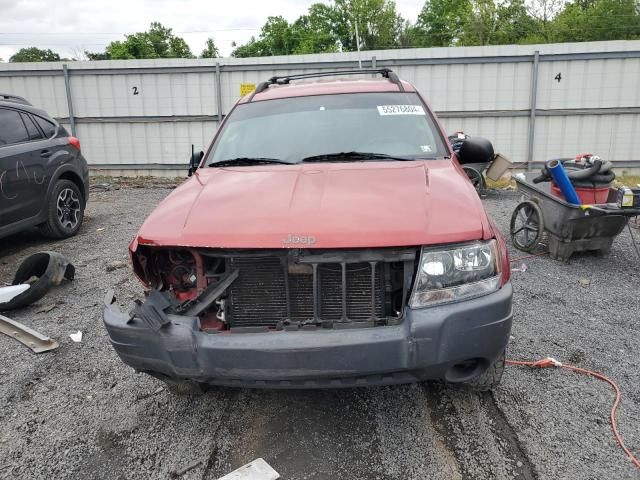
<point>256,470</point>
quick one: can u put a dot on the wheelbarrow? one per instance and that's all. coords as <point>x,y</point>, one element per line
<point>570,228</point>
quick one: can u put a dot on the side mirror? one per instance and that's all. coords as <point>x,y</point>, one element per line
<point>476,150</point>
<point>196,158</point>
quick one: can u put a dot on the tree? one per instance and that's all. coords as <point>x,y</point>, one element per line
<point>378,24</point>
<point>481,25</point>
<point>316,31</point>
<point>157,42</point>
<point>441,23</point>
<point>544,13</point>
<point>253,48</point>
<point>277,37</point>
<point>514,24</point>
<point>97,55</point>
<point>329,28</point>
<point>210,50</point>
<point>590,20</point>
<point>34,54</point>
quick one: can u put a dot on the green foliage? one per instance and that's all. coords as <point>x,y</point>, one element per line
<point>157,42</point>
<point>34,54</point>
<point>377,21</point>
<point>441,23</point>
<point>331,27</point>
<point>591,20</point>
<point>210,50</point>
<point>97,55</point>
<point>253,48</point>
<point>316,32</point>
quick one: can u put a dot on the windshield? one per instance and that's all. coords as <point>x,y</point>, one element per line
<point>293,129</point>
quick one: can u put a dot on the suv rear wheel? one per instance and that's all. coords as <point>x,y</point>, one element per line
<point>65,210</point>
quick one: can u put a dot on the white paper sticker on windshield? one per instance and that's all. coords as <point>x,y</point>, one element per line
<point>400,110</point>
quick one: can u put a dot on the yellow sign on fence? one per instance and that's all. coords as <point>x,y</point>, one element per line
<point>246,88</point>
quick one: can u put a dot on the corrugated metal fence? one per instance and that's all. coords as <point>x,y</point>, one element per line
<point>534,101</point>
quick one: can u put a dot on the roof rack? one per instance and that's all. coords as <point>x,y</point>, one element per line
<point>6,97</point>
<point>284,80</point>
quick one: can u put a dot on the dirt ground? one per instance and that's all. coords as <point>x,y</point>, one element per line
<point>79,412</point>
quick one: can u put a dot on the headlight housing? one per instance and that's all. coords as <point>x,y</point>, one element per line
<point>452,273</point>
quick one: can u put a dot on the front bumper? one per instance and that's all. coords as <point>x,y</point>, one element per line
<point>429,344</point>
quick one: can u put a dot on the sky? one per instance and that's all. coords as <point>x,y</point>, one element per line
<point>72,26</point>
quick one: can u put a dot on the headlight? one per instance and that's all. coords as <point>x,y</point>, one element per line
<point>455,273</point>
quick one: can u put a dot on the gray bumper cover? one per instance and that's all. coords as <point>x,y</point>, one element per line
<point>426,345</point>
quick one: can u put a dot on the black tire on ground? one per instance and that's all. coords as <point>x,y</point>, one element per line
<point>185,387</point>
<point>490,378</point>
<point>65,210</point>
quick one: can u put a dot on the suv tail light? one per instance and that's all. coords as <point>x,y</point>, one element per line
<point>74,142</point>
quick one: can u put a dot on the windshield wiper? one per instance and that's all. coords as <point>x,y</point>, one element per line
<point>341,156</point>
<point>247,161</point>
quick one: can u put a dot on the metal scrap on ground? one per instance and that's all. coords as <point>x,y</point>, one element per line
<point>35,341</point>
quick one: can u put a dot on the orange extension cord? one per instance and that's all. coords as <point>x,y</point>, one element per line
<point>550,362</point>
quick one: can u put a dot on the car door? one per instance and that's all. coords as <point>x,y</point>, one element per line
<point>21,167</point>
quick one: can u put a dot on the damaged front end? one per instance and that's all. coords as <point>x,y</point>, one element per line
<point>262,290</point>
<point>296,318</point>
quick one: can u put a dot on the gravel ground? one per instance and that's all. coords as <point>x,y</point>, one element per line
<point>78,412</point>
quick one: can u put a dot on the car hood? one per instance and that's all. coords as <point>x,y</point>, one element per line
<point>324,205</point>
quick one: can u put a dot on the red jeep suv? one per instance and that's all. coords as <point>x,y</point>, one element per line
<point>327,238</point>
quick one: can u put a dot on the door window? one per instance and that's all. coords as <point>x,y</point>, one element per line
<point>12,129</point>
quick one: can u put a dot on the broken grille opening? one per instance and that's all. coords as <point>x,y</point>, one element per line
<point>282,289</point>
<point>285,292</point>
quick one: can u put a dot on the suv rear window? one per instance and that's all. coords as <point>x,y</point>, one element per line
<point>34,133</point>
<point>290,129</point>
<point>12,129</point>
<point>47,127</point>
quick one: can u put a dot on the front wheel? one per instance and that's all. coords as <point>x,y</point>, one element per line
<point>65,210</point>
<point>490,378</point>
<point>185,387</point>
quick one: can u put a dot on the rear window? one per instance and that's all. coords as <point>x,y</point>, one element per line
<point>12,129</point>
<point>47,127</point>
<point>34,133</point>
<point>290,129</point>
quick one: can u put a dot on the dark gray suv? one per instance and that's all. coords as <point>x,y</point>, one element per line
<point>44,179</point>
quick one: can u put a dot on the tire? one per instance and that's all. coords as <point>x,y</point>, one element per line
<point>531,216</point>
<point>185,387</point>
<point>65,210</point>
<point>476,178</point>
<point>490,378</point>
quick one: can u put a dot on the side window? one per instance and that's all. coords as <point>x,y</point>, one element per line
<point>12,129</point>
<point>34,133</point>
<point>47,127</point>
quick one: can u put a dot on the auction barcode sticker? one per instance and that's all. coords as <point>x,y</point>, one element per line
<point>400,110</point>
